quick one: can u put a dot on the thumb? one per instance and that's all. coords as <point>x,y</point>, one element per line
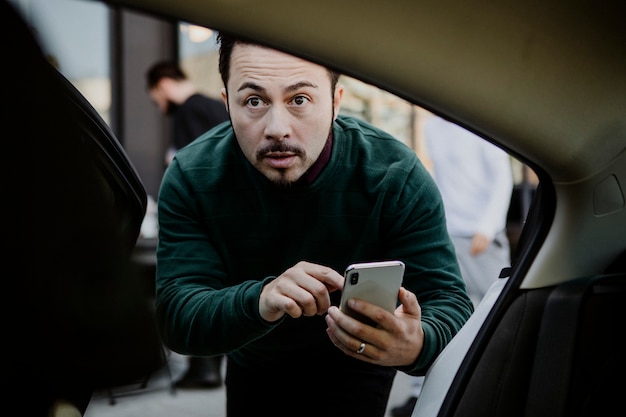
<point>409,303</point>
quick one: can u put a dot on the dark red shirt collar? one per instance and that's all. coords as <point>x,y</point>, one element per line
<point>314,171</point>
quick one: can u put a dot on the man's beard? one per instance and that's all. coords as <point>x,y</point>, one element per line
<point>282,181</point>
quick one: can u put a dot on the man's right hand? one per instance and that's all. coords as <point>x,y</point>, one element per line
<point>303,289</point>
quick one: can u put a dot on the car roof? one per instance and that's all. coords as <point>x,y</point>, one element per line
<point>522,74</point>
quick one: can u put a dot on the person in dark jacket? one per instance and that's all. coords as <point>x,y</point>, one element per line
<point>175,95</point>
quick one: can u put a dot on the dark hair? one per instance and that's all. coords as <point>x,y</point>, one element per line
<point>227,42</point>
<point>163,69</point>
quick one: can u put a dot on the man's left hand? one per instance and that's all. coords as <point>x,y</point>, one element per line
<point>396,340</point>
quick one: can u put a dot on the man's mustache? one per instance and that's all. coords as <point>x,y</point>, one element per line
<point>279,147</point>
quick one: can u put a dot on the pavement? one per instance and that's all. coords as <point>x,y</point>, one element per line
<point>159,398</point>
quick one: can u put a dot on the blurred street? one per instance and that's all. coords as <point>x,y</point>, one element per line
<point>158,399</point>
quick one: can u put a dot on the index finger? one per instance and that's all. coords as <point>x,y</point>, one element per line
<point>328,276</point>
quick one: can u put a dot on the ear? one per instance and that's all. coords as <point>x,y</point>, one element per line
<point>224,94</point>
<point>337,97</point>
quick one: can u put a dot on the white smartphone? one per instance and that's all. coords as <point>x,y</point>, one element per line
<point>375,282</point>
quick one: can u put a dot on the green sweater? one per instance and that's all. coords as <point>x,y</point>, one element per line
<point>225,230</point>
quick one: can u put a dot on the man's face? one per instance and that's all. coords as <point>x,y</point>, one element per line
<point>281,108</point>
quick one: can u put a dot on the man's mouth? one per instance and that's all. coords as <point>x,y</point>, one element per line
<point>280,160</point>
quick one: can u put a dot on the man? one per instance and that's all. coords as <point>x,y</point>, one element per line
<point>175,95</point>
<point>253,242</point>
<point>476,183</point>
<point>193,114</point>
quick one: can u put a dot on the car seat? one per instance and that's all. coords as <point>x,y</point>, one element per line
<point>555,352</point>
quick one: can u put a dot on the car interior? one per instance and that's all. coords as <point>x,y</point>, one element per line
<point>544,80</point>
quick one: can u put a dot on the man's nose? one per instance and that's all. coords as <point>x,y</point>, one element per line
<point>277,123</point>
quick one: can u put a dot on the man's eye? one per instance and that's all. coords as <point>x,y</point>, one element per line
<point>254,102</point>
<point>300,100</point>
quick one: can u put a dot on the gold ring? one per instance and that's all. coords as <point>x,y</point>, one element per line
<point>361,348</point>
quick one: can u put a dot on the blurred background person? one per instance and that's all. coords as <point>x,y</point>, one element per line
<point>175,95</point>
<point>475,179</point>
<point>476,182</point>
<point>193,114</point>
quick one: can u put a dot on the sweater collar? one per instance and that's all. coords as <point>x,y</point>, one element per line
<point>313,172</point>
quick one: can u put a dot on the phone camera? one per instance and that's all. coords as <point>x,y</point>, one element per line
<point>354,278</point>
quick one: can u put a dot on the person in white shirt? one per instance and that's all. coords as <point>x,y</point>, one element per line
<point>476,183</point>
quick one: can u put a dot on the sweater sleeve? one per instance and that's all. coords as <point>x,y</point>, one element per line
<point>198,314</point>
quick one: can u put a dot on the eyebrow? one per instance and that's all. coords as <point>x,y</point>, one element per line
<point>290,88</point>
<point>251,86</point>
